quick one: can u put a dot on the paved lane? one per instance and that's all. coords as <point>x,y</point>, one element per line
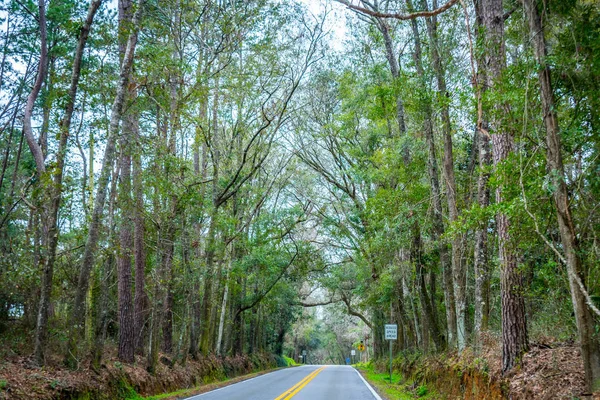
<point>307,382</point>
<point>337,382</point>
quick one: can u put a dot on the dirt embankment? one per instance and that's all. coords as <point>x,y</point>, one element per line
<point>548,371</point>
<point>20,380</point>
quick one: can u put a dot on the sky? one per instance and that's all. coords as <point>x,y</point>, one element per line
<point>336,23</point>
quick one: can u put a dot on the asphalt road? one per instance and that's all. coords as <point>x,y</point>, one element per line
<point>307,382</point>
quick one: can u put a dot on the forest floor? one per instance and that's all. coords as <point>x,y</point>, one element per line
<point>552,370</point>
<point>19,379</point>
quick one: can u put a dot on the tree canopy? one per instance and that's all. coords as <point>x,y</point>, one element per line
<point>194,177</point>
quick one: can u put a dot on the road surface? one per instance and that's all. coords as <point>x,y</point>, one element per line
<point>307,382</point>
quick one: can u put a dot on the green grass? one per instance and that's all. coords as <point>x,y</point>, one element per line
<point>290,361</point>
<point>132,395</point>
<point>394,390</point>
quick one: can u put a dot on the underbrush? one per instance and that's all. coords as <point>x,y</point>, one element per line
<point>398,388</point>
<point>20,380</point>
<point>553,370</point>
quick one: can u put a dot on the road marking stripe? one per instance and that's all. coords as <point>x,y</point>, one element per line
<point>373,392</point>
<point>291,392</point>
<point>229,386</point>
<point>296,385</point>
<point>309,376</point>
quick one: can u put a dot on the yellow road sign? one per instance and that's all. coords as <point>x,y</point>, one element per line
<point>361,347</point>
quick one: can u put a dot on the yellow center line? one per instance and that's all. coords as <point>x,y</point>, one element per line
<point>291,392</point>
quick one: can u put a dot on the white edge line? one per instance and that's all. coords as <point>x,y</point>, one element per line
<point>373,392</point>
<point>237,383</point>
<point>225,387</point>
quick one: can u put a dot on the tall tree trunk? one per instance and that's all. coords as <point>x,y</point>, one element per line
<point>36,150</point>
<point>480,261</point>
<point>208,284</point>
<point>160,293</point>
<point>140,298</point>
<point>433,172</point>
<point>224,305</point>
<point>91,244</point>
<point>171,144</point>
<point>210,250</point>
<point>590,346</point>
<point>200,169</point>
<point>167,328</point>
<point>514,324</point>
<point>459,271</point>
<point>126,347</point>
<point>430,320</point>
<point>56,188</point>
<point>125,301</point>
<point>105,273</point>
<point>34,146</point>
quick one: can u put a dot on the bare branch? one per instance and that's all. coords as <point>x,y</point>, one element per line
<point>34,146</point>
<point>402,17</point>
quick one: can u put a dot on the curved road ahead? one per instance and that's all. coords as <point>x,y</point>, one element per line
<point>308,382</point>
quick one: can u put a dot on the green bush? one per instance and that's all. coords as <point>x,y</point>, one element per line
<point>422,391</point>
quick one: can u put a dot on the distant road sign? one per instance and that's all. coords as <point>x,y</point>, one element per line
<point>361,347</point>
<point>352,352</point>
<point>303,352</point>
<point>391,332</point>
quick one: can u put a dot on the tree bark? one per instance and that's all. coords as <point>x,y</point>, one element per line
<point>126,348</point>
<point>125,301</point>
<point>160,297</point>
<point>91,244</point>
<point>205,338</point>
<point>34,146</point>
<point>224,304</point>
<point>433,172</point>
<point>140,298</point>
<point>200,169</point>
<point>590,346</point>
<point>105,273</point>
<point>430,320</point>
<point>514,324</point>
<point>480,261</point>
<point>459,271</point>
<point>56,188</point>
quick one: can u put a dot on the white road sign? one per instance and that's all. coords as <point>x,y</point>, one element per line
<point>391,332</point>
<point>352,352</point>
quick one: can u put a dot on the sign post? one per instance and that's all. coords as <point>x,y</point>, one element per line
<point>304,356</point>
<point>352,354</point>
<point>391,333</point>
<point>361,348</point>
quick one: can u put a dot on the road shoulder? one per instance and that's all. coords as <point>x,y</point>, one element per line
<point>209,387</point>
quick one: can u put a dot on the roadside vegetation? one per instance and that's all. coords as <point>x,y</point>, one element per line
<point>394,390</point>
<point>209,188</point>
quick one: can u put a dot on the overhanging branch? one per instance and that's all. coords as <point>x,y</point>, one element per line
<point>402,17</point>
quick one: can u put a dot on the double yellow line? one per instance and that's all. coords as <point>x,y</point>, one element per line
<point>291,392</point>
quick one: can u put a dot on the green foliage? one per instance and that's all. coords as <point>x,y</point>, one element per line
<point>421,391</point>
<point>273,168</point>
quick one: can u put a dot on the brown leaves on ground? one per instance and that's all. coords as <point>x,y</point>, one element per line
<point>549,371</point>
<point>19,379</point>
